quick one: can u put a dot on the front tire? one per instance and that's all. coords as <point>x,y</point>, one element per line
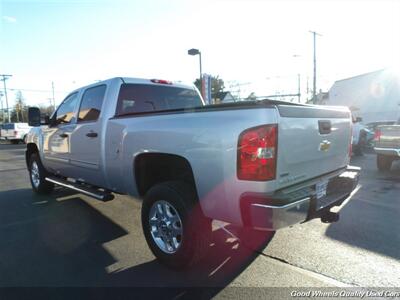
<point>37,176</point>
<point>384,163</point>
<point>174,226</point>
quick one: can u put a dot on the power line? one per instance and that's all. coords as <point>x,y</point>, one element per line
<point>37,91</point>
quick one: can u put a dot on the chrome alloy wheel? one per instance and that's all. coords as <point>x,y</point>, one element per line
<point>35,175</point>
<point>165,226</point>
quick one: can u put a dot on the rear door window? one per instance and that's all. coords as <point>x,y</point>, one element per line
<point>139,98</point>
<point>10,126</point>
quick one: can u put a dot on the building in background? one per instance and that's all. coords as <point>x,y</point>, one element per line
<point>373,96</point>
<point>322,98</point>
<point>223,97</point>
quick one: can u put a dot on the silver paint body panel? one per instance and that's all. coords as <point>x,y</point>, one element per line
<point>206,139</point>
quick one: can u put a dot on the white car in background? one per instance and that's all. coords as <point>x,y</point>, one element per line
<point>15,132</point>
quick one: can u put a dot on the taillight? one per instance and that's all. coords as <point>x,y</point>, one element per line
<point>377,135</point>
<point>257,150</point>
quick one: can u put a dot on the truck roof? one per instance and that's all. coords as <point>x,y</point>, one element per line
<point>137,81</point>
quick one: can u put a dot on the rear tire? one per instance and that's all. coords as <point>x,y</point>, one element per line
<point>173,224</point>
<point>384,162</point>
<point>37,175</point>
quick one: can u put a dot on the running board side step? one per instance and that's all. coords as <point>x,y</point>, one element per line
<point>88,191</point>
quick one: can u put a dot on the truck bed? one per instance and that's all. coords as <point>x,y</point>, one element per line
<point>207,137</point>
<point>389,136</point>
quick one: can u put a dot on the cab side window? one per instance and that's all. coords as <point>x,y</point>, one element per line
<point>92,101</point>
<point>65,111</point>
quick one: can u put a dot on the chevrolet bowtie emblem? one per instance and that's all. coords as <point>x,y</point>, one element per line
<point>325,146</point>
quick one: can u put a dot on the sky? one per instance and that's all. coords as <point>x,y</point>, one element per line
<point>262,45</point>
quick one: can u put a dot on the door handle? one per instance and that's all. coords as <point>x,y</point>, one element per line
<point>63,135</point>
<point>91,134</point>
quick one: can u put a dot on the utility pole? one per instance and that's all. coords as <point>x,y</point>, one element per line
<point>2,108</point>
<point>298,80</point>
<point>298,90</point>
<point>54,100</point>
<point>5,77</point>
<point>315,66</point>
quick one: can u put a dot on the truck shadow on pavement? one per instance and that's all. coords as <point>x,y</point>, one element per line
<point>52,243</point>
<point>225,260</point>
<point>49,242</point>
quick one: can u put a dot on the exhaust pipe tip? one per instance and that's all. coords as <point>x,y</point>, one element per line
<point>330,217</point>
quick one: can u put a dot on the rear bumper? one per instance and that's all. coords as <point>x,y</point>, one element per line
<point>387,151</point>
<point>292,206</point>
<point>9,138</point>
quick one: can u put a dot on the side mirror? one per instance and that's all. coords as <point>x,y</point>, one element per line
<point>34,116</point>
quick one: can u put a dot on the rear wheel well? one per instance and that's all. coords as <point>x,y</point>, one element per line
<point>154,168</point>
<point>30,149</point>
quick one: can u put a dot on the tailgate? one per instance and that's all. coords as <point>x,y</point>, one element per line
<point>8,133</point>
<point>390,136</point>
<point>312,141</point>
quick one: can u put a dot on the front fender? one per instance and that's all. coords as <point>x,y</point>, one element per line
<point>35,137</point>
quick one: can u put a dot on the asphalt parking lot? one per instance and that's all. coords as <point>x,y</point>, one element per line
<point>67,239</point>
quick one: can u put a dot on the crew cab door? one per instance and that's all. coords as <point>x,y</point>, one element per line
<point>85,158</point>
<point>56,137</point>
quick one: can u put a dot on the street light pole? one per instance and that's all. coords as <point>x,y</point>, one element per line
<point>5,77</point>
<point>201,72</point>
<point>197,52</point>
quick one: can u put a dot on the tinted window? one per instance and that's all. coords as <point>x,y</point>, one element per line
<point>92,101</point>
<point>65,111</point>
<point>136,98</point>
<point>9,126</point>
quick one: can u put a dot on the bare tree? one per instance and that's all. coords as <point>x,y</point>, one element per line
<point>20,108</point>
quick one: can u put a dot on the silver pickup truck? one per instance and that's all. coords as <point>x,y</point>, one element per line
<point>262,165</point>
<point>387,146</point>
